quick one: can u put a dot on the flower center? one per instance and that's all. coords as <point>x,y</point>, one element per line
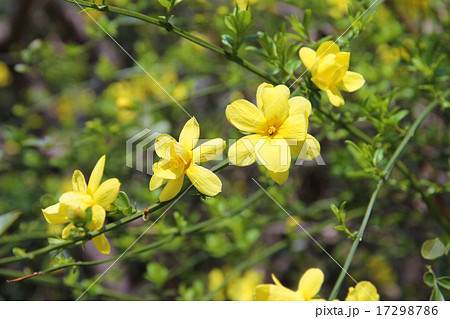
<point>272,130</point>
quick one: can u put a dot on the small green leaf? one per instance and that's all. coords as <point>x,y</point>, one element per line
<point>165,3</point>
<point>122,201</point>
<point>6,220</point>
<point>19,252</point>
<point>307,18</point>
<point>444,282</point>
<point>429,279</point>
<point>432,249</point>
<point>436,295</point>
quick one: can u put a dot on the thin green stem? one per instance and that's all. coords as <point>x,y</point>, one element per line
<point>431,205</point>
<point>56,282</point>
<point>386,172</point>
<point>171,28</point>
<point>191,229</point>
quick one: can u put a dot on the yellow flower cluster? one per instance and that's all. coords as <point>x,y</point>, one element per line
<point>308,289</point>
<point>86,205</point>
<point>276,128</point>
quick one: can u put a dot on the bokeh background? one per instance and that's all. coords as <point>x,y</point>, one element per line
<point>69,94</point>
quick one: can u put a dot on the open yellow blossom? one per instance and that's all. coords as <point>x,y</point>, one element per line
<point>329,70</point>
<point>308,288</point>
<point>180,158</point>
<point>364,291</point>
<point>278,127</point>
<point>72,205</point>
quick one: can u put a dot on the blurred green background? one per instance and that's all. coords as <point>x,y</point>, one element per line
<point>69,94</point>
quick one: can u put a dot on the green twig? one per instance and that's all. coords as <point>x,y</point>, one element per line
<point>171,28</point>
<point>111,226</point>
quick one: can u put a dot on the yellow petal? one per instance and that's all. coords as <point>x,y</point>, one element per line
<point>208,150</point>
<point>172,188</point>
<point>343,59</point>
<point>156,182</point>
<point>364,291</point>
<point>67,230</point>
<point>276,281</point>
<point>242,152</point>
<point>96,175</point>
<point>275,104</point>
<point>246,117</point>
<point>328,47</point>
<point>204,180</point>
<point>307,150</point>
<point>78,182</point>
<point>275,293</point>
<point>299,105</point>
<point>279,177</point>
<point>55,215</point>
<point>107,192</point>
<point>294,128</point>
<point>327,67</point>
<point>335,96</point>
<point>76,200</point>
<point>338,75</point>
<point>98,217</point>
<point>165,146</point>
<point>168,169</point>
<point>259,91</point>
<point>189,134</point>
<point>351,82</point>
<point>311,282</point>
<point>101,243</point>
<point>308,57</point>
<point>274,154</point>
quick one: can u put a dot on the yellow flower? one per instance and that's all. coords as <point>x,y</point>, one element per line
<point>241,288</point>
<point>308,288</point>
<point>338,8</point>
<point>245,4</point>
<point>215,280</point>
<point>238,288</point>
<point>5,75</point>
<point>72,205</point>
<point>329,70</point>
<point>180,158</point>
<point>279,129</point>
<point>364,291</point>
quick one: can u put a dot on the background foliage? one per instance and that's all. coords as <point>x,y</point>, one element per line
<point>69,94</point>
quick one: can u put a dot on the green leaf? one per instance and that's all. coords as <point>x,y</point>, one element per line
<point>444,282</point>
<point>432,249</point>
<point>157,273</point>
<point>307,18</point>
<point>165,3</point>
<point>6,220</point>
<point>227,40</point>
<point>436,295</point>
<point>122,201</point>
<point>429,279</point>
<point>19,252</point>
